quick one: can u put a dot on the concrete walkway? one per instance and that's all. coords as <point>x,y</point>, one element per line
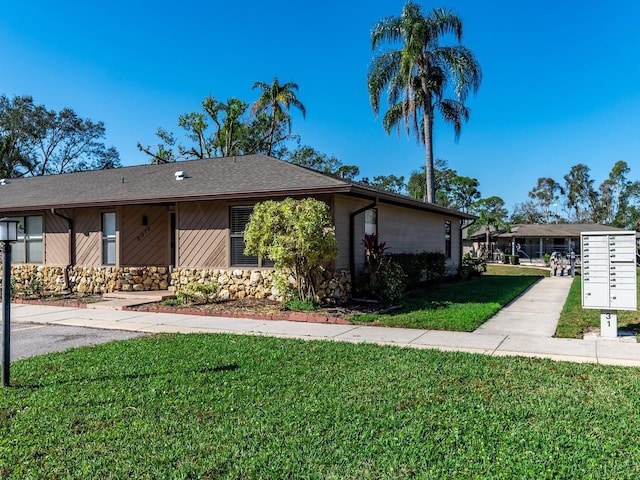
<point>525,328</point>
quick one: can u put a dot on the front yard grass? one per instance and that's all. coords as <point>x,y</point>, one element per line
<point>575,321</point>
<point>459,306</point>
<point>224,406</point>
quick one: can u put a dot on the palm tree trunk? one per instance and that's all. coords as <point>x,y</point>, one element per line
<point>429,174</point>
<point>271,135</point>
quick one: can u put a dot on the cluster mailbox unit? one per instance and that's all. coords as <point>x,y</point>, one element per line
<point>609,275</point>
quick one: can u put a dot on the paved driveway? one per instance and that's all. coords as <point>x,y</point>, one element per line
<point>28,339</point>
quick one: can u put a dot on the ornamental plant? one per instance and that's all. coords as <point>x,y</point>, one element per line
<point>297,235</point>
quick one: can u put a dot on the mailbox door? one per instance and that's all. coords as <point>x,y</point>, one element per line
<point>623,299</point>
<point>595,295</point>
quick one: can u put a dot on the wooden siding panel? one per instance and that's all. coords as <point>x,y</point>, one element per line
<point>88,242</point>
<point>144,245</point>
<point>203,230</point>
<point>56,240</point>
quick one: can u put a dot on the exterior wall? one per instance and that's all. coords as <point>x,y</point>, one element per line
<point>404,230</point>
<point>203,234</point>
<point>56,239</point>
<point>202,244</point>
<point>412,231</point>
<point>343,206</point>
<point>144,244</point>
<point>88,229</point>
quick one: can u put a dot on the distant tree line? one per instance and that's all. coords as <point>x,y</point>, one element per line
<point>37,141</point>
<point>614,202</point>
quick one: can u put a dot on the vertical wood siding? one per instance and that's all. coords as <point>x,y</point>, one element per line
<point>144,245</point>
<point>203,230</point>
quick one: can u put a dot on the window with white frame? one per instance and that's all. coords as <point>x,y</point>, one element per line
<point>28,248</point>
<point>239,217</point>
<point>447,239</point>
<point>109,238</point>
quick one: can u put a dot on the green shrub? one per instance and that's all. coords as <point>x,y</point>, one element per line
<point>471,267</point>
<point>435,266</point>
<point>420,267</point>
<point>414,266</point>
<point>197,293</point>
<point>172,302</point>
<point>286,290</point>
<point>32,288</point>
<point>299,305</point>
<point>392,283</point>
<point>298,235</point>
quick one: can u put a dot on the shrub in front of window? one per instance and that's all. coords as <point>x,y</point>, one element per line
<point>297,235</point>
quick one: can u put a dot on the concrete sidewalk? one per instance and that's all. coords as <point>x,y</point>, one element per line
<point>525,328</point>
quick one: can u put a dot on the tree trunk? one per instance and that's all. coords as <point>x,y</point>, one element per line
<point>429,174</point>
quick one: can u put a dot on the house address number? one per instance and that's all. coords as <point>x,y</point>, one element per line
<point>142,234</point>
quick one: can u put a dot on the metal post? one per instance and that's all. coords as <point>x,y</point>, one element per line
<point>6,312</point>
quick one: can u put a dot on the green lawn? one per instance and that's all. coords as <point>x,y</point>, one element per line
<point>575,321</point>
<point>223,406</point>
<point>459,306</point>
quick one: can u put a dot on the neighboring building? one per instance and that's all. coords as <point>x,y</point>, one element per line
<point>130,228</point>
<point>535,240</point>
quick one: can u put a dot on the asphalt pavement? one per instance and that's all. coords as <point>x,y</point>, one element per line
<point>524,328</point>
<point>29,339</point>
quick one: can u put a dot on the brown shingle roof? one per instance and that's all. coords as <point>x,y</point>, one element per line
<point>254,176</point>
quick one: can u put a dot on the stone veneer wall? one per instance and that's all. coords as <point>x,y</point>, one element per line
<point>91,279</point>
<point>334,287</point>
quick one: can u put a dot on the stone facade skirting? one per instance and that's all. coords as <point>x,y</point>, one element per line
<point>333,287</point>
<point>89,279</point>
<point>240,283</point>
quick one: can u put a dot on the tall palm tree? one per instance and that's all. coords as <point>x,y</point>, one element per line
<point>277,99</point>
<point>417,75</point>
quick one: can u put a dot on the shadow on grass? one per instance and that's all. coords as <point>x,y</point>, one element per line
<point>633,327</point>
<point>126,376</point>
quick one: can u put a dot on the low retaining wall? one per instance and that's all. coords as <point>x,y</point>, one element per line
<point>334,287</point>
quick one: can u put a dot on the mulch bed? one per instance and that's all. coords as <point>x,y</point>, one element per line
<point>253,308</point>
<point>262,309</point>
<point>65,300</point>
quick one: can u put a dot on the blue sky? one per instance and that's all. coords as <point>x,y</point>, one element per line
<point>561,81</point>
